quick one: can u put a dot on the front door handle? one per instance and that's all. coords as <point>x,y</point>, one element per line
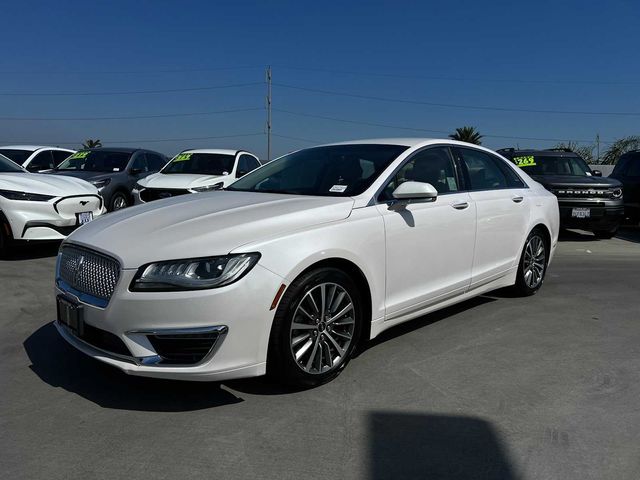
<point>517,199</point>
<point>460,206</point>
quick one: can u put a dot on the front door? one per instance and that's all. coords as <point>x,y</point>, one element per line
<point>429,245</point>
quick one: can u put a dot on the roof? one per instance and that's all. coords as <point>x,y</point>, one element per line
<point>221,151</point>
<point>407,142</point>
<point>533,151</point>
<point>33,147</point>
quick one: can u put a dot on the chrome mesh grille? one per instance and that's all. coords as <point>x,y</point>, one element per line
<point>89,272</point>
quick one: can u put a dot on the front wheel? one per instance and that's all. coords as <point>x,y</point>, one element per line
<point>118,201</point>
<point>533,264</point>
<point>315,329</point>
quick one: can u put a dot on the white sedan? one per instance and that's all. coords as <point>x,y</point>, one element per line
<point>292,266</point>
<point>42,207</point>
<point>195,171</point>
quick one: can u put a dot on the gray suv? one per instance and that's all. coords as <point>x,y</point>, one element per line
<point>114,171</point>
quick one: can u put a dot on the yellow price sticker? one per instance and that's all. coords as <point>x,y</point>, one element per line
<point>182,157</point>
<point>528,161</point>
<point>80,155</point>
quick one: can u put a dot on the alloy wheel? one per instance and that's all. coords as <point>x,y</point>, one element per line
<point>534,261</point>
<point>119,202</point>
<point>322,328</point>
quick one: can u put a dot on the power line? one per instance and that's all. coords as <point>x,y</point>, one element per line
<point>130,92</point>
<point>126,72</point>
<point>415,129</point>
<point>134,117</point>
<point>458,79</point>
<point>449,105</point>
<point>151,140</point>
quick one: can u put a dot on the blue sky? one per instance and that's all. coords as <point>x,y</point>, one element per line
<point>543,55</point>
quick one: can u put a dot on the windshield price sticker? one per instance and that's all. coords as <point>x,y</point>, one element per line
<point>182,157</point>
<point>338,188</point>
<point>80,155</point>
<point>528,161</point>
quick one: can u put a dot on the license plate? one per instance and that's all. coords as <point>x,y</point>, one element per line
<point>581,212</point>
<point>84,217</point>
<point>70,314</point>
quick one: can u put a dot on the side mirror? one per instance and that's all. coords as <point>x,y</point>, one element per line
<point>135,171</point>
<point>408,191</point>
<point>36,168</point>
<point>596,173</point>
<point>241,173</point>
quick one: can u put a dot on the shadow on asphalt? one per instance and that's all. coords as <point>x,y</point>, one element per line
<point>435,446</point>
<point>61,366</point>
<point>628,233</point>
<point>31,251</point>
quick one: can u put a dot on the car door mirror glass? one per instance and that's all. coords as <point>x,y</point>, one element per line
<point>241,173</point>
<point>135,171</point>
<point>415,191</point>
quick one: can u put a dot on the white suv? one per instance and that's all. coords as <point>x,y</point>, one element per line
<point>195,171</point>
<point>36,158</point>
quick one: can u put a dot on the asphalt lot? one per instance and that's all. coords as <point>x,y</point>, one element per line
<point>545,387</point>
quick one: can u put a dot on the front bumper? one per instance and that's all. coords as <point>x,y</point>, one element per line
<point>603,215</point>
<point>53,220</point>
<point>243,308</point>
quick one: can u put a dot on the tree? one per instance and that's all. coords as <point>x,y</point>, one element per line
<point>89,143</point>
<point>467,134</point>
<point>620,146</point>
<point>585,151</point>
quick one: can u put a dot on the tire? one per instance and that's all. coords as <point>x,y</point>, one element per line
<point>118,201</point>
<point>324,344</point>
<point>605,234</point>
<point>533,264</point>
<point>5,241</point>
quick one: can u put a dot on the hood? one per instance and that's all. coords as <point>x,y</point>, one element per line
<point>85,175</point>
<point>576,181</point>
<point>207,224</point>
<point>45,184</point>
<point>179,180</point>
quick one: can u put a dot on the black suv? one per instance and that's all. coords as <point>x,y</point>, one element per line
<point>586,200</point>
<point>627,170</point>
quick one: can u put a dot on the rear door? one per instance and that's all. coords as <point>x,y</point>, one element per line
<point>629,175</point>
<point>503,211</point>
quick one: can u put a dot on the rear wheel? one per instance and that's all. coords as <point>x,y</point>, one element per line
<point>533,264</point>
<point>315,329</point>
<point>605,234</point>
<point>4,238</point>
<point>118,201</point>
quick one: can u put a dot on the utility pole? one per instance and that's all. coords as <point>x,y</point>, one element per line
<point>598,147</point>
<point>269,113</point>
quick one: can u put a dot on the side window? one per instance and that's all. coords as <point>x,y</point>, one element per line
<point>253,162</point>
<point>42,161</point>
<point>433,165</point>
<point>140,163</point>
<point>484,172</point>
<point>59,156</point>
<point>633,170</point>
<point>246,163</point>
<point>156,162</point>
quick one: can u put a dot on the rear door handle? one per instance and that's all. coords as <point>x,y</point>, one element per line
<point>460,206</point>
<point>517,199</point>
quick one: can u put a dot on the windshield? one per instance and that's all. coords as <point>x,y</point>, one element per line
<point>337,170</point>
<point>552,165</point>
<point>18,156</point>
<point>7,166</point>
<point>201,164</point>
<point>96,161</point>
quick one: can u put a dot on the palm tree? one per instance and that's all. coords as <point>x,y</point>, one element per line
<point>467,134</point>
<point>89,143</point>
<point>620,146</point>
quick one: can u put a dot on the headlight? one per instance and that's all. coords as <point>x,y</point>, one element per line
<point>194,274</point>
<point>101,183</point>
<point>24,196</point>
<point>616,193</point>
<point>208,188</point>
